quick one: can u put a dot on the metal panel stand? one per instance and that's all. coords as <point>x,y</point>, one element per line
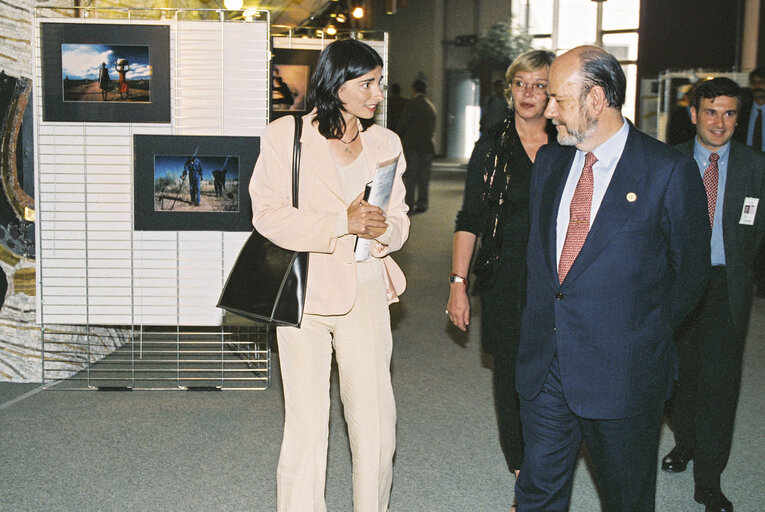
<point>229,357</point>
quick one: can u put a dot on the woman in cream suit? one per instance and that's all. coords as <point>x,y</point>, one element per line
<point>346,306</point>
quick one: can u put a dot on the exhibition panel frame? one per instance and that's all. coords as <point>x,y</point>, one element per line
<point>128,278</point>
<point>155,290</point>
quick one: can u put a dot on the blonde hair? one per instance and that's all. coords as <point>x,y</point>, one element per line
<point>532,60</point>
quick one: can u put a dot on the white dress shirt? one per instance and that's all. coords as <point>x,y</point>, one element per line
<point>608,155</point>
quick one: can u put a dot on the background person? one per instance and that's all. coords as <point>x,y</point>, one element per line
<point>494,110</point>
<point>496,207</point>
<point>751,131</point>
<point>711,340</point>
<point>346,305</point>
<point>416,128</point>
<point>396,104</point>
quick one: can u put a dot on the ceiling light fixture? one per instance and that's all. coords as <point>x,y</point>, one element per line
<point>233,5</point>
<point>341,18</point>
<point>358,12</point>
<point>331,30</point>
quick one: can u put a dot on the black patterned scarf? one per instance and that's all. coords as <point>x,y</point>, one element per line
<point>496,182</point>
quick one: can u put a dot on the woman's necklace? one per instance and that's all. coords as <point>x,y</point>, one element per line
<point>347,144</point>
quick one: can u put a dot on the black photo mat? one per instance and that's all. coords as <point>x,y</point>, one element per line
<point>291,71</point>
<point>72,57</point>
<point>166,195</point>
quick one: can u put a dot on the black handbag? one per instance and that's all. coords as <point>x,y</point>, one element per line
<point>267,283</point>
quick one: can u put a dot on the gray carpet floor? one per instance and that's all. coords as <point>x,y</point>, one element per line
<point>217,451</point>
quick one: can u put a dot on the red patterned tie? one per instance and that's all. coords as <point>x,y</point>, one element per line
<point>579,218</point>
<point>711,174</point>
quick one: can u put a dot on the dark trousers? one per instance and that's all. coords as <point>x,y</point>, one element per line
<point>417,177</point>
<point>759,271</point>
<point>703,408</point>
<point>623,454</point>
<point>508,411</point>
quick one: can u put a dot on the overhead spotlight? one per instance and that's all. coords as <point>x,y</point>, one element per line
<point>341,18</point>
<point>331,30</point>
<point>233,5</point>
<point>319,33</point>
<point>358,12</point>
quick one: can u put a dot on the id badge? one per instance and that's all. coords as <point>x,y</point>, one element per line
<point>749,211</point>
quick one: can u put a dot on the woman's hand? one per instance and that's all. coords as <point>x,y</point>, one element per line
<point>365,220</point>
<point>458,306</point>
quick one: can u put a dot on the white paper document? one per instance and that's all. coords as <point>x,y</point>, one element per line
<point>379,195</point>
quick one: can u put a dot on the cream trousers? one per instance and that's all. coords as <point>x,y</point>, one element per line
<point>362,343</point>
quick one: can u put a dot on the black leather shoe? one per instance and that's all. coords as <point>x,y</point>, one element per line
<point>713,499</point>
<point>677,460</point>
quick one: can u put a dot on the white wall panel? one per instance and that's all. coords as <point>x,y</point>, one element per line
<point>93,267</point>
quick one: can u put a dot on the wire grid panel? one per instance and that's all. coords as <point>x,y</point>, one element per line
<point>222,358</point>
<point>93,268</point>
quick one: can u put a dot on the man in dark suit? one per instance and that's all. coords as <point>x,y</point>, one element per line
<point>752,113</point>
<point>416,128</point>
<point>711,339</point>
<point>618,254</point>
<point>749,131</point>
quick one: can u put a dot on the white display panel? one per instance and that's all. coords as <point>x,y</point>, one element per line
<point>92,267</point>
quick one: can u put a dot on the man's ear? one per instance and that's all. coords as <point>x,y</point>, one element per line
<point>693,115</point>
<point>597,99</point>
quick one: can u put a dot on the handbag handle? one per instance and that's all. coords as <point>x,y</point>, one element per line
<point>296,160</point>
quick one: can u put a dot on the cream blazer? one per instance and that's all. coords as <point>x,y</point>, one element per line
<point>331,288</point>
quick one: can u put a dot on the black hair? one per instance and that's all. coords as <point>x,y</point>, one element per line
<point>601,68</point>
<point>419,86</point>
<point>758,72</point>
<point>342,60</point>
<point>718,86</point>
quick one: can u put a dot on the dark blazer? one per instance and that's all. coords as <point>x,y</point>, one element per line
<point>641,270</point>
<point>501,300</point>
<point>745,178</point>
<point>417,124</point>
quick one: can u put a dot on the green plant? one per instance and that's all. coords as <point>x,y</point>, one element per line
<point>497,47</point>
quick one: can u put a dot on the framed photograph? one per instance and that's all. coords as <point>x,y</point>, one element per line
<point>105,72</point>
<point>193,183</point>
<point>290,72</point>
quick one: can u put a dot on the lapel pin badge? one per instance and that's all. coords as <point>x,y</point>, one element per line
<point>631,197</point>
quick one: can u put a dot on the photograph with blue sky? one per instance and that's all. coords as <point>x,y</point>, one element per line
<point>219,185</point>
<point>81,63</point>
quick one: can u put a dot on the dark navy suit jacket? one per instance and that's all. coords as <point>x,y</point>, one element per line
<point>745,178</point>
<point>642,268</point>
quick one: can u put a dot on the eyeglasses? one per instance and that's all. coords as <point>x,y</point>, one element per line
<point>538,88</point>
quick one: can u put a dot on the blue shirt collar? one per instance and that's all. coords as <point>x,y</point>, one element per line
<point>702,154</point>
